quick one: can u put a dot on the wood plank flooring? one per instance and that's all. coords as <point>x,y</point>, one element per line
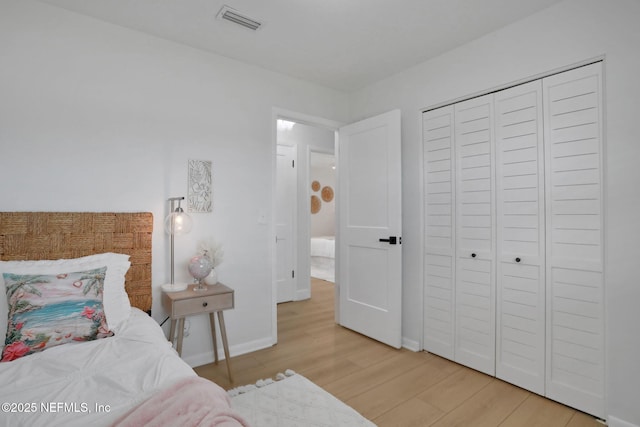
<point>390,387</point>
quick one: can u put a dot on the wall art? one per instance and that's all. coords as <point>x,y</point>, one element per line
<point>199,194</point>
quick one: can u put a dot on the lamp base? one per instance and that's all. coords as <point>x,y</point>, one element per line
<point>200,287</point>
<point>174,287</point>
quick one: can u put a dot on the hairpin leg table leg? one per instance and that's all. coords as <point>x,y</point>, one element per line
<point>225,344</point>
<point>212,321</point>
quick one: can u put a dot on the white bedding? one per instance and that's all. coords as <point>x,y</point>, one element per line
<point>323,246</point>
<point>323,250</point>
<point>90,383</point>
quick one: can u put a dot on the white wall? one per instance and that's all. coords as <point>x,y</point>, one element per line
<point>323,223</point>
<point>95,117</point>
<point>568,33</point>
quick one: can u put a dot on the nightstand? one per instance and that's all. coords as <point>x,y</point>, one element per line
<point>215,299</point>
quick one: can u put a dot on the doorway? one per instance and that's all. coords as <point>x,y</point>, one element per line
<point>306,137</point>
<point>368,222</point>
<point>323,215</point>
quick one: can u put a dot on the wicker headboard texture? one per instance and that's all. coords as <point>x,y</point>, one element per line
<point>56,235</point>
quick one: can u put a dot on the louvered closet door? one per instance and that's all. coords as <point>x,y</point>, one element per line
<point>475,237</point>
<point>437,131</point>
<point>575,294</point>
<point>520,272</point>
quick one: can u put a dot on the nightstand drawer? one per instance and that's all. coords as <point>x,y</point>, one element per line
<point>203,304</point>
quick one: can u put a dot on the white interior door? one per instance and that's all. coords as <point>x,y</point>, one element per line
<point>439,231</point>
<point>285,220</point>
<point>475,237</point>
<point>575,255</point>
<point>520,319</point>
<point>369,224</point>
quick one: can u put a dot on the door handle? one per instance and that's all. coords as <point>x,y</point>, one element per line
<point>392,240</point>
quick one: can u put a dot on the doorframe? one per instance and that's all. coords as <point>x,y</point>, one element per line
<point>294,219</point>
<point>306,119</point>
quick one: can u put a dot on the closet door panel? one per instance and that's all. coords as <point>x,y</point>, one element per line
<point>520,321</point>
<point>575,288</point>
<point>439,296</point>
<point>475,235</point>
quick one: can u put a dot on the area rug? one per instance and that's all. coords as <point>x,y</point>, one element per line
<point>292,400</point>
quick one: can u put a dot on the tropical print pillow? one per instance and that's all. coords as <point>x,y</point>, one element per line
<point>50,310</point>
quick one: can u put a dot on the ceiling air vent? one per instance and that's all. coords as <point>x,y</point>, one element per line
<point>236,17</point>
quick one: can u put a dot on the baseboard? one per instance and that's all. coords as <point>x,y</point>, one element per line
<point>302,294</point>
<point>234,350</point>
<point>410,344</point>
<point>617,422</point>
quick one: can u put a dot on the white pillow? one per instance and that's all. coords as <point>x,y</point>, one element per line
<point>117,307</point>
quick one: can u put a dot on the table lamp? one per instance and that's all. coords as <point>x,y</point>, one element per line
<point>176,223</point>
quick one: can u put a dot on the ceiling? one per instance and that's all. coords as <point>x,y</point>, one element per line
<point>341,44</point>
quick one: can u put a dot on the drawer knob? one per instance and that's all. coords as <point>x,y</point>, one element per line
<point>473,255</point>
<point>204,304</point>
<point>518,259</point>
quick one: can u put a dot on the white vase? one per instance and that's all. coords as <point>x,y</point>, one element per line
<point>212,278</point>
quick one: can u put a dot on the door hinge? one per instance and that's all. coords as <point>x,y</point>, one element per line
<point>293,163</point>
<point>293,274</point>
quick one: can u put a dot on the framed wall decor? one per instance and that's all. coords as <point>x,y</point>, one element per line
<point>199,194</point>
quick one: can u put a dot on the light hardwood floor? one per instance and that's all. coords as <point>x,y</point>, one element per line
<point>388,386</point>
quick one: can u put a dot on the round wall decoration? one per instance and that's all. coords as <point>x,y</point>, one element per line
<point>327,194</point>
<point>315,204</point>
<point>315,185</point>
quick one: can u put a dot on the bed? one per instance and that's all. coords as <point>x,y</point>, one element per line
<point>323,250</point>
<point>117,367</point>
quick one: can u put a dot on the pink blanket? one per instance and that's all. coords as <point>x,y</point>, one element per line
<point>193,402</point>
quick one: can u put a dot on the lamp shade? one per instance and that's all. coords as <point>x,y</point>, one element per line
<point>178,222</point>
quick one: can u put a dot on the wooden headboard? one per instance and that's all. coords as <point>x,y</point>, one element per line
<point>56,235</point>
